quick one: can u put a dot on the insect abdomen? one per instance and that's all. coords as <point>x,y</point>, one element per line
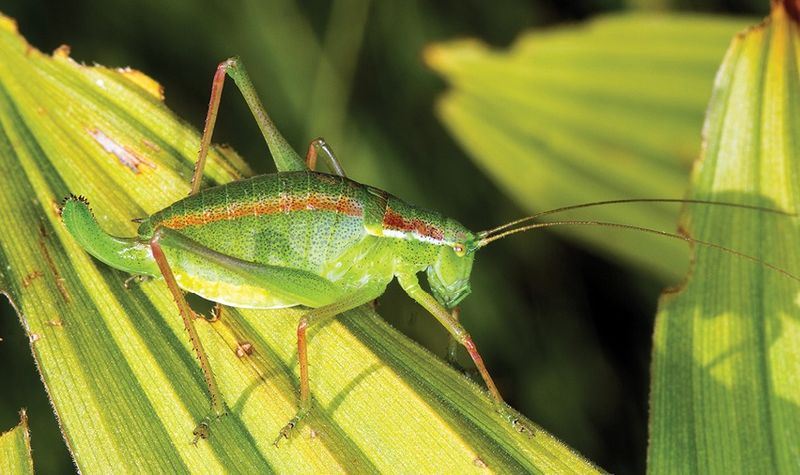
<point>301,220</point>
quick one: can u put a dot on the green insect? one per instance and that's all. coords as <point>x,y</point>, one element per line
<point>300,237</point>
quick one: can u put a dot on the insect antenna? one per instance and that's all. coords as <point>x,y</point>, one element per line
<point>592,204</point>
<point>488,239</point>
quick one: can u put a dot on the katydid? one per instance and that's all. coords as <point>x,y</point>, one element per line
<point>301,237</point>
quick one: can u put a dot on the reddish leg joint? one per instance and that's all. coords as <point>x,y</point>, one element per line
<point>476,357</point>
<point>311,156</point>
<point>211,119</point>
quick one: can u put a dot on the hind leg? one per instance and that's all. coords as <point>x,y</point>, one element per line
<point>286,159</point>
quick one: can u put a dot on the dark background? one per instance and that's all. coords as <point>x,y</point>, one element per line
<point>565,333</point>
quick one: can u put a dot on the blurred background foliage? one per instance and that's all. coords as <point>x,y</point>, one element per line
<point>565,328</point>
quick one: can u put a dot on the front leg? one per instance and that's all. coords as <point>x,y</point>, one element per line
<point>452,343</point>
<point>410,283</point>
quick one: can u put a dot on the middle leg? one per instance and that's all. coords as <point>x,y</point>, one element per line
<point>315,317</point>
<point>317,147</point>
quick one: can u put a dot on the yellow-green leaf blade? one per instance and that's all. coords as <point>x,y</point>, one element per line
<point>604,110</point>
<point>116,361</point>
<point>15,448</point>
<point>726,367</point>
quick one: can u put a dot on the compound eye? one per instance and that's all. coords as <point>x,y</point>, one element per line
<point>459,249</point>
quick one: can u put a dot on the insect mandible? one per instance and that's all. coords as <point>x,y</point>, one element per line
<point>300,237</point>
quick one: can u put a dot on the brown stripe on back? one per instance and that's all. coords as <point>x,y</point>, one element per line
<point>284,204</point>
<point>397,222</point>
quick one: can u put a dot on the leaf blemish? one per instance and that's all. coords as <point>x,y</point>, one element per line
<point>151,145</point>
<point>243,349</point>
<point>126,156</point>
<point>55,206</point>
<point>62,51</point>
<point>62,288</point>
<point>28,279</point>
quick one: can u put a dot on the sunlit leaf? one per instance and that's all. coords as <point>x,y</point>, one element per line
<point>116,361</point>
<point>609,109</point>
<point>725,394</point>
<point>15,448</point>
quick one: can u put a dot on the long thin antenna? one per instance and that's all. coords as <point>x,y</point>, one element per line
<point>489,232</point>
<point>486,240</point>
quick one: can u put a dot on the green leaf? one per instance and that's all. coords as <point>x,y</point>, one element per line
<point>15,448</point>
<point>726,365</point>
<point>116,362</point>
<point>610,109</point>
